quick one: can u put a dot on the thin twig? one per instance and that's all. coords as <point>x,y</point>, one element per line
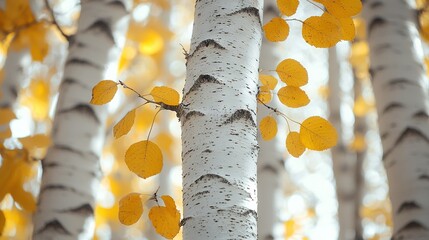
<point>54,20</point>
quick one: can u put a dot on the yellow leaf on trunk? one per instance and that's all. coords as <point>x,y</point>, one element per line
<point>144,159</point>
<point>318,134</point>
<point>268,128</point>
<point>165,95</point>
<point>166,220</point>
<point>130,209</point>
<point>104,92</point>
<point>125,124</point>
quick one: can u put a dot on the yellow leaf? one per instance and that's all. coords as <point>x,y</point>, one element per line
<point>6,133</point>
<point>152,42</point>
<point>36,141</point>
<point>264,94</point>
<point>359,143</point>
<point>362,107</point>
<point>6,115</point>
<point>292,72</point>
<point>130,209</point>
<point>276,30</point>
<point>293,97</point>
<point>25,199</point>
<point>166,220</point>
<point>294,144</point>
<point>342,8</point>
<point>321,32</point>
<point>268,128</point>
<point>2,222</point>
<point>104,92</point>
<point>348,30</point>
<point>165,95</point>
<point>317,134</point>
<point>125,125</point>
<point>144,159</point>
<point>268,80</point>
<point>288,7</point>
<point>36,97</point>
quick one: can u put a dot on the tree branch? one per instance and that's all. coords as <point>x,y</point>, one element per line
<point>54,20</point>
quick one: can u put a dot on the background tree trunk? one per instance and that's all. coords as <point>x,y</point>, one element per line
<point>219,121</point>
<point>401,93</point>
<point>71,170</point>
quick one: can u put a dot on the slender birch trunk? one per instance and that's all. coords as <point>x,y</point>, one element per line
<point>401,93</point>
<point>71,169</point>
<point>344,162</point>
<point>219,121</point>
<point>360,128</point>
<point>270,160</point>
<point>14,77</point>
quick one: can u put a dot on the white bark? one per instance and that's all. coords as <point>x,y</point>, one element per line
<point>219,121</point>
<point>71,170</point>
<point>270,160</point>
<point>401,93</point>
<point>14,77</point>
<point>344,162</point>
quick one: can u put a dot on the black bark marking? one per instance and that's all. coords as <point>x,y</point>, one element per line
<point>203,78</point>
<point>376,4</point>
<point>269,168</point>
<point>268,237</point>
<point>184,220</point>
<point>373,71</point>
<point>271,9</point>
<point>424,177</point>
<point>408,206</point>
<point>103,27</point>
<point>421,115</point>
<point>211,176</point>
<point>400,83</point>
<point>204,44</point>
<point>193,114</point>
<point>392,107</point>
<point>200,193</point>
<point>241,114</point>
<point>411,226</point>
<point>61,188</point>
<point>84,109</point>
<point>207,151</point>
<point>54,226</point>
<point>68,149</point>
<point>83,62</point>
<point>408,132</point>
<point>119,4</point>
<point>84,209</point>
<point>252,11</point>
<point>376,22</point>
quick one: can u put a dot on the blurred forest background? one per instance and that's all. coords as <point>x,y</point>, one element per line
<point>341,193</point>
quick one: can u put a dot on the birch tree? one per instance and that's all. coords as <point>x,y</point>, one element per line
<point>219,121</point>
<point>270,160</point>
<point>401,93</point>
<point>71,170</point>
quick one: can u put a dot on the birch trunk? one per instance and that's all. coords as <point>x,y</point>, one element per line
<point>14,77</point>
<point>71,169</point>
<point>219,121</point>
<point>401,93</point>
<point>344,162</point>
<point>270,160</point>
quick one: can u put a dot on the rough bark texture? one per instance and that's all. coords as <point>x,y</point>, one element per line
<point>71,170</point>
<point>270,159</point>
<point>401,92</point>
<point>219,121</point>
<point>344,162</point>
